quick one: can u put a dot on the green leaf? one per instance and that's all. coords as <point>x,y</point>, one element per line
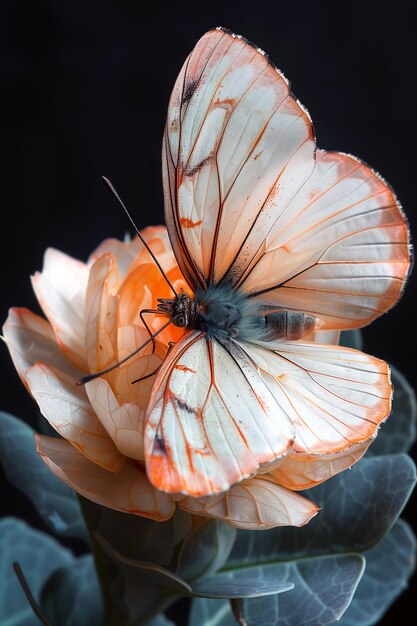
<point>54,501</point>
<point>72,596</point>
<point>38,555</point>
<point>141,588</point>
<point>205,549</point>
<point>138,537</point>
<point>389,565</point>
<point>399,431</point>
<point>207,612</point>
<point>138,574</point>
<point>244,583</point>
<point>135,553</point>
<point>151,573</point>
<point>351,339</point>
<point>358,507</point>
<point>324,588</point>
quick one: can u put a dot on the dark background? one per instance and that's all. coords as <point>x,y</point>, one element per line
<point>85,88</point>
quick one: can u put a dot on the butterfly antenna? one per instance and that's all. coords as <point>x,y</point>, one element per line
<point>112,189</point>
<point>86,379</point>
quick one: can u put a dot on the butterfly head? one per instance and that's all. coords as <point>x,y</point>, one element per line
<point>181,309</point>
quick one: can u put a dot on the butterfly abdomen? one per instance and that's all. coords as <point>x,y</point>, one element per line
<point>289,325</point>
<point>227,313</point>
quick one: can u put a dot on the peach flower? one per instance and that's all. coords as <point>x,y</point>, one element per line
<point>93,321</point>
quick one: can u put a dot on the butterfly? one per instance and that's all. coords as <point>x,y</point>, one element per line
<point>277,240</point>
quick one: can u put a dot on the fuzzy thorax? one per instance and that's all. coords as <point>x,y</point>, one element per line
<point>224,312</point>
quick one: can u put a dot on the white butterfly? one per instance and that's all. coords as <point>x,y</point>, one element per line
<point>276,240</point>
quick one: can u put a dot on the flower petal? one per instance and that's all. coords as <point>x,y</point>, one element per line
<point>124,423</point>
<point>101,314</point>
<point>67,409</point>
<point>60,289</point>
<point>129,254</point>
<point>302,471</point>
<point>141,290</point>
<point>135,293</point>
<point>30,339</point>
<point>123,252</point>
<point>254,504</point>
<point>142,365</point>
<point>157,239</point>
<point>129,490</point>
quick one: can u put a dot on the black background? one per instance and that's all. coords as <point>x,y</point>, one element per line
<point>85,89</point>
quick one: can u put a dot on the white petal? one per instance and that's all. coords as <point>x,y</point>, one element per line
<point>302,471</point>
<point>123,252</point>
<point>129,490</point>
<point>142,365</point>
<point>135,293</point>
<point>123,422</point>
<point>129,254</point>
<point>101,314</point>
<point>67,409</point>
<point>30,339</point>
<point>61,289</point>
<point>255,504</point>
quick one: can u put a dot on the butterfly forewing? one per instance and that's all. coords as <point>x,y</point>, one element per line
<point>212,420</point>
<point>218,412</point>
<point>237,147</point>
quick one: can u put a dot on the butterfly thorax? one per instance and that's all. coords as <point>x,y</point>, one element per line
<point>224,313</point>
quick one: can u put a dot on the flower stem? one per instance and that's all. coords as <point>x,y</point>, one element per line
<point>161,604</point>
<point>102,571</point>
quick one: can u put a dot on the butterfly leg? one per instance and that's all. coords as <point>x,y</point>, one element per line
<point>171,344</point>
<point>141,313</point>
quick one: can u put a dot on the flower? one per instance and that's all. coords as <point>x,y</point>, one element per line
<point>93,321</point>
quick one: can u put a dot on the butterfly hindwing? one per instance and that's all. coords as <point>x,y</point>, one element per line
<point>335,397</point>
<point>340,251</point>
